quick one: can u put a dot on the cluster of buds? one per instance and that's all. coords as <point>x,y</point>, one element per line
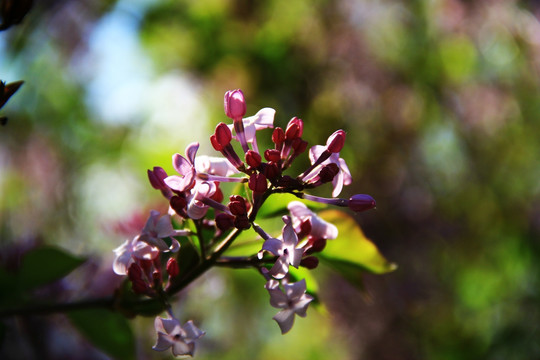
<point>196,202</point>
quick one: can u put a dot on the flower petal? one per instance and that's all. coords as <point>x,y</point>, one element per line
<point>285,320</point>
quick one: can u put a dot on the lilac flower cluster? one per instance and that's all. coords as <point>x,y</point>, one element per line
<point>197,204</point>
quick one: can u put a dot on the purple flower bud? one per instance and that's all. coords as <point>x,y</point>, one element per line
<point>235,104</point>
<point>299,145</point>
<point>224,221</point>
<point>156,177</point>
<point>172,268</point>
<point>237,205</point>
<point>257,183</point>
<point>253,159</point>
<point>310,262</point>
<point>272,155</point>
<point>295,128</point>
<point>222,137</point>
<point>335,142</point>
<point>278,136</point>
<point>361,202</point>
<point>328,172</point>
<point>271,170</point>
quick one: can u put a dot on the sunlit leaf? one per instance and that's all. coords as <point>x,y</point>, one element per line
<point>107,330</point>
<point>351,253</point>
<point>44,265</point>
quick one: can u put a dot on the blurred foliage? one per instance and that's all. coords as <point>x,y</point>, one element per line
<point>440,100</point>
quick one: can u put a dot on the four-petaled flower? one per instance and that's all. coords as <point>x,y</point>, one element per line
<point>131,250</point>
<point>285,249</point>
<point>342,178</point>
<point>157,228</point>
<point>172,335</point>
<point>263,119</point>
<point>319,228</point>
<point>186,168</point>
<point>293,301</point>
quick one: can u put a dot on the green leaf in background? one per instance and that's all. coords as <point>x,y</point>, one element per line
<point>44,265</point>
<point>276,204</point>
<point>107,330</point>
<point>351,253</point>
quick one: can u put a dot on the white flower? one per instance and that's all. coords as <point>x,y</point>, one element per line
<point>263,119</point>
<point>157,228</point>
<point>172,335</point>
<point>131,250</point>
<point>342,178</point>
<point>285,249</point>
<point>293,301</point>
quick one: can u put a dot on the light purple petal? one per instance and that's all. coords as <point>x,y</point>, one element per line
<point>181,164</point>
<point>191,152</point>
<point>164,227</point>
<point>123,258</point>
<point>175,246</point>
<point>263,119</point>
<point>347,178</point>
<point>299,209</point>
<point>301,305</point>
<point>285,320</point>
<point>214,166</point>
<point>295,256</point>
<point>196,209</point>
<point>192,332</point>
<point>281,267</point>
<point>275,246</point>
<point>141,250</point>
<point>181,348</point>
<point>295,290</point>
<point>171,326</point>
<point>290,239</point>
<point>163,342</point>
<point>176,182</point>
<point>315,152</point>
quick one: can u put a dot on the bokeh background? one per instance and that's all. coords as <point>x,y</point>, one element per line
<point>440,100</point>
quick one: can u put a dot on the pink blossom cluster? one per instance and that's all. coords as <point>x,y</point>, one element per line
<point>204,218</point>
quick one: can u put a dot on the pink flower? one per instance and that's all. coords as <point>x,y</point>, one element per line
<point>263,119</point>
<point>185,167</point>
<point>293,301</point>
<point>172,335</point>
<point>196,207</point>
<point>319,228</point>
<point>157,228</point>
<point>285,249</point>
<point>129,251</point>
<point>342,178</point>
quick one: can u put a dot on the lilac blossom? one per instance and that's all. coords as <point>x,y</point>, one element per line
<point>293,301</point>
<point>185,167</point>
<point>342,178</point>
<point>319,228</point>
<point>285,249</point>
<point>131,250</point>
<point>172,335</point>
<point>157,228</point>
<point>196,207</point>
<point>263,119</point>
<point>214,165</point>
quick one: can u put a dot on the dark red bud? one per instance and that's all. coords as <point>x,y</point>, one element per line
<point>328,172</point>
<point>222,137</point>
<point>299,145</point>
<point>218,195</point>
<point>134,272</point>
<point>178,204</point>
<point>295,128</point>
<point>156,177</point>
<point>272,155</point>
<point>278,136</point>
<point>253,159</point>
<point>305,227</point>
<point>317,244</point>
<point>361,202</point>
<point>242,222</point>
<point>271,171</point>
<point>335,142</point>
<point>258,183</point>
<point>224,221</point>
<point>234,104</point>
<point>237,205</point>
<point>172,268</point>
<point>310,262</point>
<point>146,264</point>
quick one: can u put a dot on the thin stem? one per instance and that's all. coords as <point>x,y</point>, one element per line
<point>45,309</point>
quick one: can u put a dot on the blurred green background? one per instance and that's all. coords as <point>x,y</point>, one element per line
<point>441,104</point>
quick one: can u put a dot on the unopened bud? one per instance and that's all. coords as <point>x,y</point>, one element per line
<point>299,145</point>
<point>272,155</point>
<point>172,267</point>
<point>253,159</point>
<point>278,136</point>
<point>242,222</point>
<point>295,128</point>
<point>237,205</point>
<point>235,104</point>
<point>222,137</point>
<point>271,170</point>
<point>309,262</point>
<point>328,172</point>
<point>258,183</point>
<point>335,142</point>
<point>156,177</point>
<point>178,204</point>
<point>224,221</point>
<point>361,202</point>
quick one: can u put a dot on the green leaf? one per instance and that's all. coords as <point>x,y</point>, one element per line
<point>107,330</point>
<point>276,204</point>
<point>44,265</point>
<point>351,253</point>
